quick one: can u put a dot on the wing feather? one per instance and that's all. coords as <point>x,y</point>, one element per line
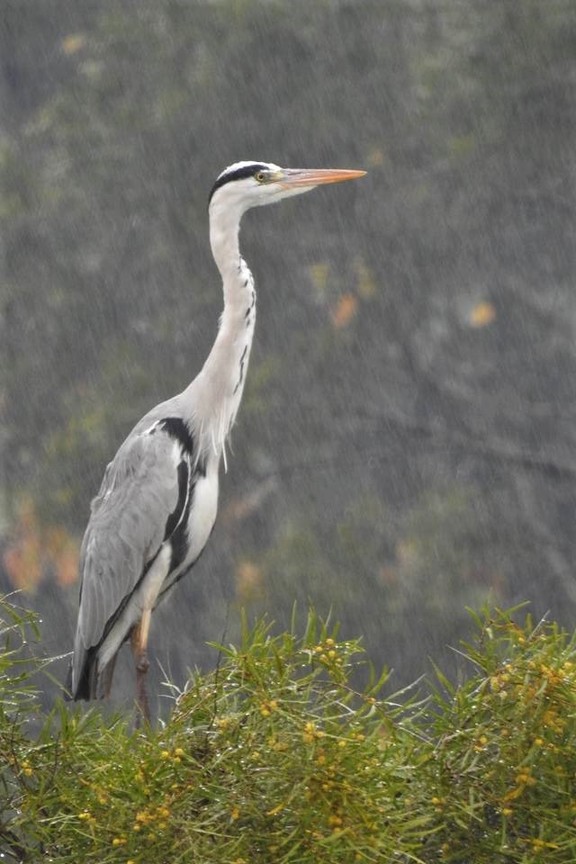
<point>139,497</point>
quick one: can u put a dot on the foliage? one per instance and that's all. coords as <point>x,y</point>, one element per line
<point>17,705</point>
<point>503,773</point>
<point>275,756</point>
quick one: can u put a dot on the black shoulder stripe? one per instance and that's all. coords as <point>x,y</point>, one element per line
<point>183,493</point>
<point>178,558</point>
<point>177,428</point>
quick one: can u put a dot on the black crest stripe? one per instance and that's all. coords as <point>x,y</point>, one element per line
<point>238,174</point>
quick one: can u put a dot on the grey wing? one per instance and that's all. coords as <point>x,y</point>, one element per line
<point>140,502</point>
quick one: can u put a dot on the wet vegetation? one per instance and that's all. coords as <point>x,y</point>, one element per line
<point>277,756</point>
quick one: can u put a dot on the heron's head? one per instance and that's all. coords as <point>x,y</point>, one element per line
<point>252,184</point>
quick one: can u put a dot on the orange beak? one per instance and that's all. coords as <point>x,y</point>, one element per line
<point>292,177</point>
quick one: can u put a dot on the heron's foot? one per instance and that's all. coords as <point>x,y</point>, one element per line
<point>142,703</point>
<point>142,664</point>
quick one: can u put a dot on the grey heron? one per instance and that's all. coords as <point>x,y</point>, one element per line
<point>157,503</point>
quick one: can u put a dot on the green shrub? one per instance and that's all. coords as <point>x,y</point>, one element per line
<point>502,775</point>
<point>276,757</point>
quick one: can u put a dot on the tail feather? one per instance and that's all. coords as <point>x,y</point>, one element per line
<point>91,682</point>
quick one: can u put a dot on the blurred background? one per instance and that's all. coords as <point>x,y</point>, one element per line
<point>406,445</point>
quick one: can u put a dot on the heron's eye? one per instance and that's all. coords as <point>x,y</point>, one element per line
<point>260,176</point>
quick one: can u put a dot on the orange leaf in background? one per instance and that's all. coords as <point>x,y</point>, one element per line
<point>249,579</point>
<point>63,552</point>
<point>23,565</point>
<point>73,43</point>
<point>22,559</point>
<point>482,314</point>
<point>36,550</point>
<point>243,506</point>
<point>345,311</point>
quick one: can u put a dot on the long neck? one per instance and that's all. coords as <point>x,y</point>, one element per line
<point>217,390</point>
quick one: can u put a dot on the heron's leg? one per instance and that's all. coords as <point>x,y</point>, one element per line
<point>139,650</point>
